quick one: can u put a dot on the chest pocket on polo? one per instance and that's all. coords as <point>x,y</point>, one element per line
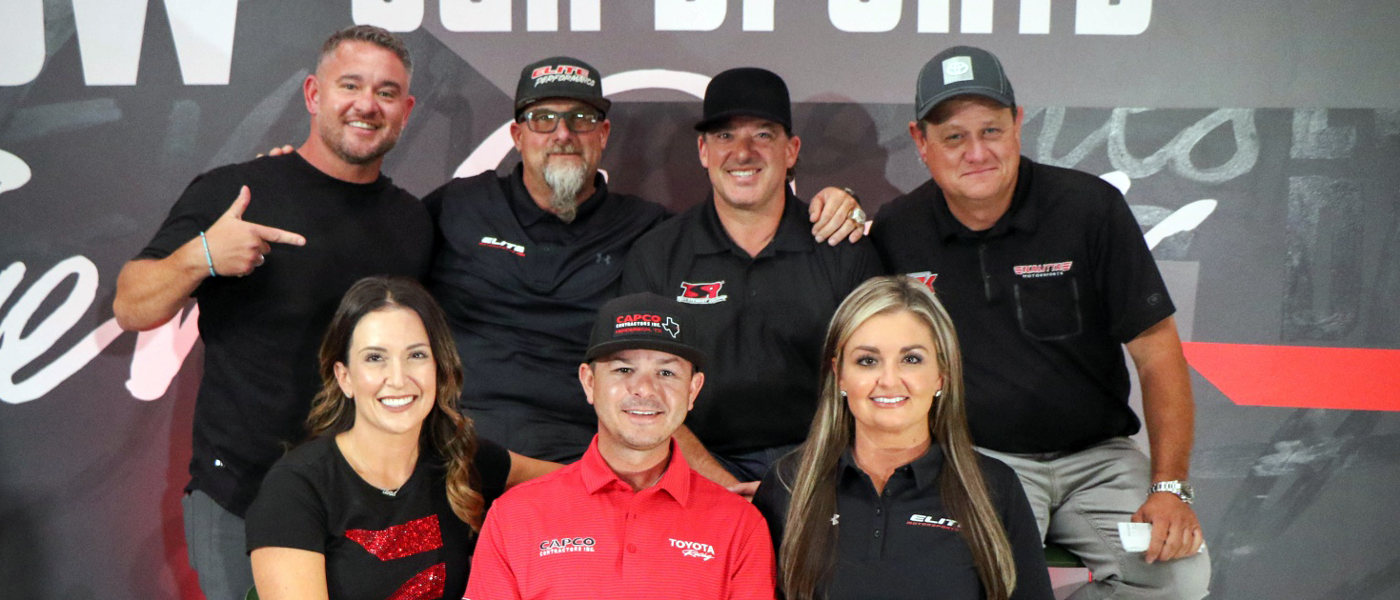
<point>1048,307</point>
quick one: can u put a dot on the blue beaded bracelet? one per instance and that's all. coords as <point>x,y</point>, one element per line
<point>208,258</point>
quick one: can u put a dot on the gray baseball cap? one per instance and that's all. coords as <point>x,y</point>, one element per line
<point>961,70</point>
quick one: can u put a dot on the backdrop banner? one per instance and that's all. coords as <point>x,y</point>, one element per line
<point>1256,143</point>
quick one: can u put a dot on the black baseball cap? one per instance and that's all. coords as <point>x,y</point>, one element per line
<point>560,77</point>
<point>961,70</point>
<point>645,321</point>
<point>746,92</point>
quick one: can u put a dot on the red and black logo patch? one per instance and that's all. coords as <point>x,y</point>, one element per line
<point>701,293</point>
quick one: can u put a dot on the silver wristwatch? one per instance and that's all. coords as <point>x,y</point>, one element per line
<point>1178,487</point>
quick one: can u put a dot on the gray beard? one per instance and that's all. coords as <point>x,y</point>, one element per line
<point>566,181</point>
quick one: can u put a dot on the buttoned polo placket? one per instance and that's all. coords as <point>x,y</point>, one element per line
<point>548,233</point>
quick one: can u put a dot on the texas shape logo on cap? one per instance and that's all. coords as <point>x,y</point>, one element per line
<point>957,68</point>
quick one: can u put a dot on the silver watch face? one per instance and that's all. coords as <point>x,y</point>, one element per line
<point>1182,489</point>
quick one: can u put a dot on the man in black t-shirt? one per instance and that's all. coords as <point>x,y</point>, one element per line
<point>523,262</point>
<point>263,308</point>
<point>1047,277</point>
<point>766,290</point>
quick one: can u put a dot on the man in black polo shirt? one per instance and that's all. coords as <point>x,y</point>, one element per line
<point>766,288</point>
<point>1046,275</point>
<point>523,262</point>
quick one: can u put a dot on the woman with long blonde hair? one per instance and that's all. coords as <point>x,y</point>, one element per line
<point>887,497</point>
<point>386,498</point>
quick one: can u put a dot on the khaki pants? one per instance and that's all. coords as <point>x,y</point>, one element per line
<point>1080,498</point>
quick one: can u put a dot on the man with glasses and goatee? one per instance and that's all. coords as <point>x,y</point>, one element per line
<point>523,262</point>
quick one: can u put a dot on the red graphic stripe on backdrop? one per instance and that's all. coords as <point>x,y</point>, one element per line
<point>1300,376</point>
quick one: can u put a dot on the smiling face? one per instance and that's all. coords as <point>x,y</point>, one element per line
<point>641,397</point>
<point>390,373</point>
<point>889,372</point>
<point>974,154</point>
<point>562,149</point>
<point>748,159</point>
<point>359,102</point>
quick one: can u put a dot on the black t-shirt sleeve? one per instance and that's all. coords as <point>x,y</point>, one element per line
<point>288,513</point>
<point>202,203</point>
<point>492,463</point>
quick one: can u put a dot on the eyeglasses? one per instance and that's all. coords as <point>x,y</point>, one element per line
<point>546,121</point>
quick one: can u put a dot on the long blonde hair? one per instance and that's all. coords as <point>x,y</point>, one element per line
<point>809,541</point>
<point>446,433</point>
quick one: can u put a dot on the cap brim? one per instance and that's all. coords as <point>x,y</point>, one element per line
<point>694,355</point>
<point>602,104</point>
<point>932,103</point>
<point>714,121</point>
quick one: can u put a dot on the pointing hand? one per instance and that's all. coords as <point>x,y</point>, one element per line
<point>238,246</point>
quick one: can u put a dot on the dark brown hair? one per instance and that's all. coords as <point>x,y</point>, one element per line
<point>446,433</point>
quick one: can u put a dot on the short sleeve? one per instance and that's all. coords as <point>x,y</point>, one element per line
<point>202,203</point>
<point>492,464</point>
<point>865,263</point>
<point>1136,298</point>
<point>288,513</point>
<point>753,574</point>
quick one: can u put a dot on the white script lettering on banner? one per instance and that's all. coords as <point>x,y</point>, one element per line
<point>159,353</point>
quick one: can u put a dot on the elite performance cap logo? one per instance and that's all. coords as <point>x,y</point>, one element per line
<point>698,550</point>
<point>957,68</point>
<point>567,73</point>
<point>491,242</point>
<point>701,293</point>
<point>646,323</point>
<point>565,545</point>
<point>927,521</point>
<point>1043,270</point>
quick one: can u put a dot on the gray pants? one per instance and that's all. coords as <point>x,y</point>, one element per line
<point>1080,498</point>
<point>216,543</point>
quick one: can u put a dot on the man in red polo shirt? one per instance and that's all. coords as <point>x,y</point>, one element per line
<point>630,519</point>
